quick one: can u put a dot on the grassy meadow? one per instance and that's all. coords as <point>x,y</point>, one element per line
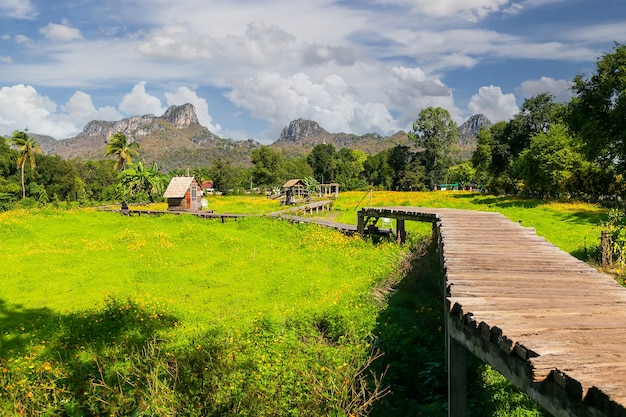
<point>102,314</point>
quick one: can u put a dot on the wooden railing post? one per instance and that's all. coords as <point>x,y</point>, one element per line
<point>400,231</point>
<point>457,378</point>
<point>360,228</point>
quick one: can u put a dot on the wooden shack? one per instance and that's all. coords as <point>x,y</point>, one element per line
<point>329,190</point>
<point>183,194</point>
<point>293,189</point>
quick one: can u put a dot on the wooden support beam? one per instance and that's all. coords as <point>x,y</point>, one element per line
<point>457,379</point>
<point>400,231</point>
<point>360,228</point>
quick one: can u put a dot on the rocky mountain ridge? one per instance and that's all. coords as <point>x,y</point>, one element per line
<point>174,140</point>
<point>177,139</point>
<point>471,127</point>
<point>301,135</point>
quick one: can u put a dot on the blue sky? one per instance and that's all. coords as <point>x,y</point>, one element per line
<point>252,66</point>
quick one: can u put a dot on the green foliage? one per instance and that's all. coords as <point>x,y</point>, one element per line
<point>349,167</point>
<point>27,148</point>
<point>322,160</point>
<point>615,229</point>
<point>269,167</point>
<point>141,183</point>
<point>462,174</point>
<point>201,318</point>
<point>123,150</point>
<point>549,162</point>
<point>598,111</point>
<point>227,178</point>
<point>434,131</point>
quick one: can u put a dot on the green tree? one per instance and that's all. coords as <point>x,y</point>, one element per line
<point>58,176</point>
<point>98,178</point>
<point>399,157</point>
<point>322,160</point>
<point>142,183</point>
<point>269,167</point>
<point>597,113</point>
<point>435,132</point>
<point>536,116</point>
<point>547,165</point>
<point>27,147</point>
<point>377,171</point>
<point>462,174</point>
<point>349,168</point>
<point>123,151</point>
<point>227,177</point>
<point>298,167</point>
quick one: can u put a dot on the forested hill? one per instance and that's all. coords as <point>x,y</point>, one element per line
<point>177,140</point>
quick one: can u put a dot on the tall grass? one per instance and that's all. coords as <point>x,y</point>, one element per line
<point>102,314</point>
<point>108,314</point>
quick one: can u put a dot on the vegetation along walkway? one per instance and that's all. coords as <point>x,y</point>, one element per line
<point>551,324</point>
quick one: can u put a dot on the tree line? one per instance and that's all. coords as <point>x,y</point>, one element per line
<point>548,149</point>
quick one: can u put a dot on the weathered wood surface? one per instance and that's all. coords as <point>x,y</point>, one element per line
<point>342,227</point>
<point>563,320</point>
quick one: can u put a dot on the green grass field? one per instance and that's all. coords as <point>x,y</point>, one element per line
<point>102,314</point>
<point>104,285</point>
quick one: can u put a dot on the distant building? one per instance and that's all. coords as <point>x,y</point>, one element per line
<point>329,190</point>
<point>183,194</point>
<point>208,187</point>
<point>293,189</point>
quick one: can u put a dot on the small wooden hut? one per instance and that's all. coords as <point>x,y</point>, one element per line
<point>183,194</point>
<point>329,190</point>
<point>293,189</point>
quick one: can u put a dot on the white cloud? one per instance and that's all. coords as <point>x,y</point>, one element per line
<point>491,102</point>
<point>30,110</point>
<point>139,102</point>
<point>6,59</point>
<point>23,40</point>
<point>331,103</point>
<point>185,95</point>
<point>60,33</point>
<point>261,45</point>
<point>410,91</point>
<point>470,10</point>
<point>560,89</point>
<point>80,110</point>
<point>17,9</point>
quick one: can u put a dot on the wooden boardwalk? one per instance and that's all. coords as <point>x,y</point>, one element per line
<point>551,324</point>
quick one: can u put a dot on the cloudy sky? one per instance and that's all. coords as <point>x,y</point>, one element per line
<point>252,66</point>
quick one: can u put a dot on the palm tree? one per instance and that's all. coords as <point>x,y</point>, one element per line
<point>118,145</point>
<point>140,181</point>
<point>27,148</point>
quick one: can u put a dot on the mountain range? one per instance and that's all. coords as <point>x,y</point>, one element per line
<point>177,140</point>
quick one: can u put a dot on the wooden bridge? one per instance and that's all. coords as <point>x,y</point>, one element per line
<point>551,324</point>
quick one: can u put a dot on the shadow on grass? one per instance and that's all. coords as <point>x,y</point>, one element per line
<point>500,202</point>
<point>410,335</point>
<point>118,321</point>
<point>18,325</point>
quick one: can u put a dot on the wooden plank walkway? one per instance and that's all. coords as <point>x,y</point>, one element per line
<point>550,323</point>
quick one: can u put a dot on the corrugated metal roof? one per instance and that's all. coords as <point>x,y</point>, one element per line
<point>178,186</point>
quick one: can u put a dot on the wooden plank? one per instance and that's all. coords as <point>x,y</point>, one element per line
<point>522,295</point>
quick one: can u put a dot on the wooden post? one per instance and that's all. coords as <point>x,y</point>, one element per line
<point>360,228</point>
<point>605,250</point>
<point>457,378</point>
<point>400,231</point>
